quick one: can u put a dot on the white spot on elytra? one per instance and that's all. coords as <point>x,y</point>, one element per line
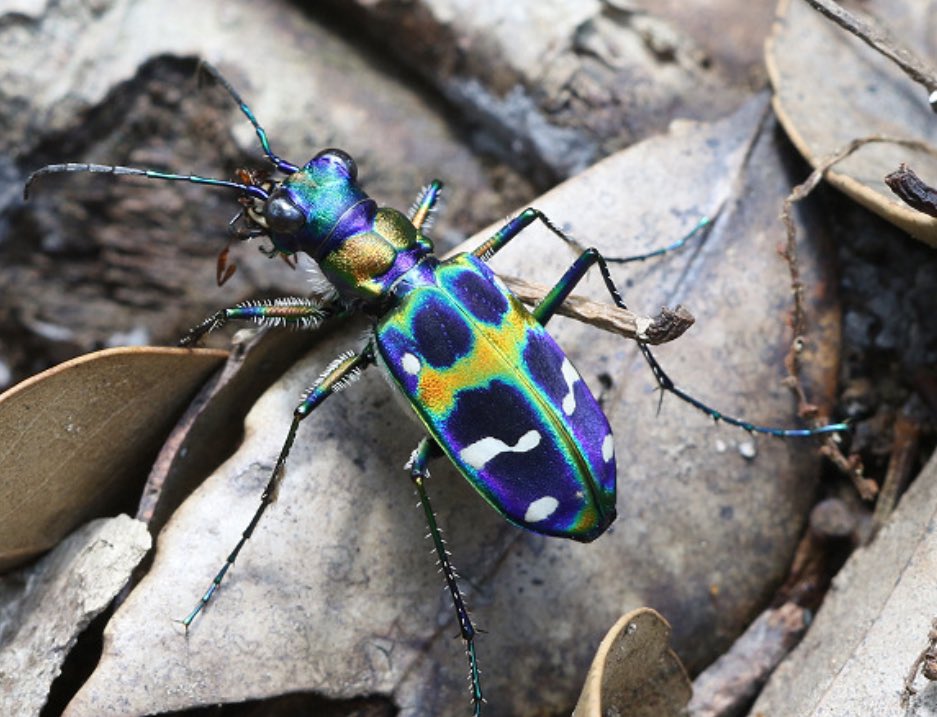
<point>479,453</point>
<point>608,448</point>
<point>411,364</point>
<point>541,509</point>
<point>570,376</point>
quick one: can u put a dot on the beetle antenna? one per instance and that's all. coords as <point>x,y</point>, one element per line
<point>250,189</point>
<point>278,162</point>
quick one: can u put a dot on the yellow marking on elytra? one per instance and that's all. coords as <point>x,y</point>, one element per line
<point>496,353</point>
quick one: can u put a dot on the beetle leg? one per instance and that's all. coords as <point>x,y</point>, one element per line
<point>295,312</point>
<point>342,371</point>
<point>557,295</point>
<point>425,204</point>
<point>417,466</point>
<point>515,226</point>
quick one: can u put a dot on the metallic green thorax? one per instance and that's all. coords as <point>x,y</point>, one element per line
<point>361,249</point>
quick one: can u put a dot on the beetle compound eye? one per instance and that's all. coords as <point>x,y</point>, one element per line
<point>283,217</point>
<point>342,158</point>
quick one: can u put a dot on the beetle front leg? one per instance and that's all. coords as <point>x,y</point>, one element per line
<point>419,471</point>
<point>295,312</point>
<point>342,371</point>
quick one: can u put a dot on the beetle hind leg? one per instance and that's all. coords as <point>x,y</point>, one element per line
<point>419,471</point>
<point>338,375</point>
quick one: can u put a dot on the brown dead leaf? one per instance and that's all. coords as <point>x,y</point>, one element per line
<point>872,626</point>
<point>635,672</point>
<point>831,88</point>
<point>74,436</point>
<point>334,592</point>
<point>556,77</point>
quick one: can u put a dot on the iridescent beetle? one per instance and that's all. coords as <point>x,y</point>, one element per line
<point>493,390</point>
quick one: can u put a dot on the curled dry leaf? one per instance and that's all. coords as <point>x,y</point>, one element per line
<point>635,672</point>
<point>76,438</point>
<point>872,626</point>
<point>831,88</point>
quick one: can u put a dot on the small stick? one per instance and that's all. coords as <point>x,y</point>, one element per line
<point>873,33</point>
<point>851,466</point>
<point>668,325</point>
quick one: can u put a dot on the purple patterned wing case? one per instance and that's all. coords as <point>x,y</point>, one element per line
<point>501,398</point>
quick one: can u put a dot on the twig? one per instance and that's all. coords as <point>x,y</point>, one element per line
<point>913,190</point>
<point>732,681</point>
<point>927,658</point>
<point>904,451</point>
<point>668,325</point>
<point>851,466</point>
<point>873,33</point>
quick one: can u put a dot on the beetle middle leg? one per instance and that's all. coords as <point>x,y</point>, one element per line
<point>419,471</point>
<point>591,256</point>
<point>515,226</point>
<point>336,376</point>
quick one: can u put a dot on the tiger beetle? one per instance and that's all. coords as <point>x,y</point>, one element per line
<point>492,389</point>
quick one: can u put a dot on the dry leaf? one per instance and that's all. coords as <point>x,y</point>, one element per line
<point>335,592</point>
<point>75,437</point>
<point>554,77</point>
<point>831,88</point>
<point>872,625</point>
<point>635,672</point>
<point>47,605</point>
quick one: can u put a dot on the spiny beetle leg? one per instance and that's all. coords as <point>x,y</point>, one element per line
<point>295,312</point>
<point>592,256</point>
<point>701,227</point>
<point>425,204</point>
<point>515,226</point>
<point>339,374</point>
<point>556,296</point>
<point>419,471</point>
